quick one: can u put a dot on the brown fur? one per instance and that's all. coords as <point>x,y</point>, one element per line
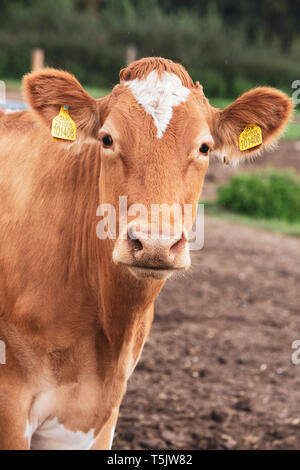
<point>141,69</point>
<point>73,321</point>
<point>47,91</point>
<point>266,107</point>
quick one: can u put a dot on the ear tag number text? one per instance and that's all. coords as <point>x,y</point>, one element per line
<point>250,137</point>
<point>63,126</point>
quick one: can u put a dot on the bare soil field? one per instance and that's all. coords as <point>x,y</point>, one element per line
<point>216,372</point>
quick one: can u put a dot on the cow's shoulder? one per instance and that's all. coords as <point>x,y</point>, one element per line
<point>20,121</point>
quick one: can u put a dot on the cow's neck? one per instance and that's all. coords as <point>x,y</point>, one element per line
<point>126,303</point>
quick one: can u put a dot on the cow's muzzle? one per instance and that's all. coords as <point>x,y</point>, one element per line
<point>148,253</point>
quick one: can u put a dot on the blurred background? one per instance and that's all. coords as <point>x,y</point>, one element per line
<point>229,46</point>
<point>216,372</point>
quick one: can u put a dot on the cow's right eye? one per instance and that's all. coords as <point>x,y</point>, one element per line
<point>204,149</point>
<point>107,141</point>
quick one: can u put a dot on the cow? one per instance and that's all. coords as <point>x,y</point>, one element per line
<point>75,308</point>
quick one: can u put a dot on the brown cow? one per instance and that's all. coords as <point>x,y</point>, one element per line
<point>75,310</point>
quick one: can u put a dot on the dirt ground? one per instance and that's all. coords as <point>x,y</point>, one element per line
<point>216,371</point>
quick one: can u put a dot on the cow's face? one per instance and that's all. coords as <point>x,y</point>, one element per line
<point>156,132</point>
<point>156,139</point>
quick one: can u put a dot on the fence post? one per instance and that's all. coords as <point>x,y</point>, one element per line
<point>131,54</point>
<point>37,60</point>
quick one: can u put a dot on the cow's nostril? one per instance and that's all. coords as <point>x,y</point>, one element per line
<point>136,244</point>
<point>177,246</point>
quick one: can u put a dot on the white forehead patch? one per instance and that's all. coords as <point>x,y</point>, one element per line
<point>158,95</point>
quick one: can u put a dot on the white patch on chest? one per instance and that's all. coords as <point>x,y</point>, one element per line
<point>54,436</point>
<point>44,433</point>
<point>158,95</point>
<point>112,432</point>
<point>28,432</point>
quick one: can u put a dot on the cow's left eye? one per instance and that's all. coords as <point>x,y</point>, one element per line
<point>204,149</point>
<point>107,141</point>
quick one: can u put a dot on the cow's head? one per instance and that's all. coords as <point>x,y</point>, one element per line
<point>156,131</point>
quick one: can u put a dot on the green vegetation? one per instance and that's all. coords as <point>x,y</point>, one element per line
<point>293,131</point>
<point>12,83</point>
<point>268,199</point>
<point>220,102</point>
<point>97,92</point>
<point>228,46</point>
<point>291,229</point>
<point>268,194</point>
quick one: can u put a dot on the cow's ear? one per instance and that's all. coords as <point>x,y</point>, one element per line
<point>46,91</point>
<point>265,107</point>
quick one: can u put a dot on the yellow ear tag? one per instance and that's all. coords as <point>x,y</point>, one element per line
<point>63,126</point>
<point>250,137</point>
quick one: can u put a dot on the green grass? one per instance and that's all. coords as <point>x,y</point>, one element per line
<point>97,92</point>
<point>11,83</point>
<point>291,229</point>
<point>293,131</point>
<point>220,102</point>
